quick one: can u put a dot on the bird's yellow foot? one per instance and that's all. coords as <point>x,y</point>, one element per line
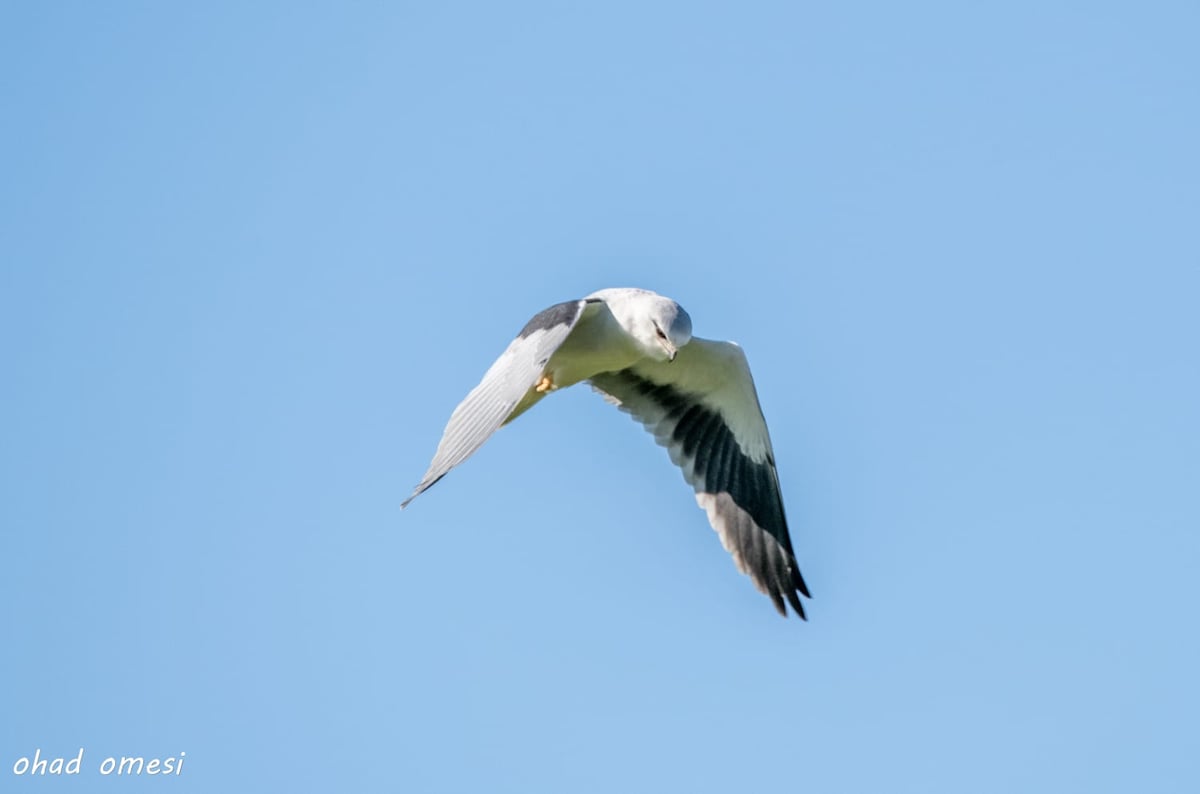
<point>544,385</point>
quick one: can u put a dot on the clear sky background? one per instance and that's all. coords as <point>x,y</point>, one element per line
<point>254,254</point>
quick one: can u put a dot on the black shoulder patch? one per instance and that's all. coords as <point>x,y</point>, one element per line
<point>559,314</point>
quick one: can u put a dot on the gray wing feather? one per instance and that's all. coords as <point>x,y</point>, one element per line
<point>703,408</point>
<point>492,403</point>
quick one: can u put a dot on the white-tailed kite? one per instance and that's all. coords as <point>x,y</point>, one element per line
<point>695,395</point>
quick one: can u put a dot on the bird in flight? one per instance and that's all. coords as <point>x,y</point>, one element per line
<point>695,395</point>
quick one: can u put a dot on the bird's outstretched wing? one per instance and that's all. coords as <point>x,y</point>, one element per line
<point>703,408</point>
<point>507,381</point>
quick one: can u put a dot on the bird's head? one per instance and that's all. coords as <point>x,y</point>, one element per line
<point>659,325</point>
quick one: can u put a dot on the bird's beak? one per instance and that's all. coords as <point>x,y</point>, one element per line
<point>672,351</point>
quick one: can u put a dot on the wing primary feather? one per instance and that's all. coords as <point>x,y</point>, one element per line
<point>703,409</point>
<point>489,405</point>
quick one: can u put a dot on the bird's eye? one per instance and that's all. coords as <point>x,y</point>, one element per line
<point>660,333</point>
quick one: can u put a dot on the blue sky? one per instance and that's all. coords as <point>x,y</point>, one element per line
<point>252,257</point>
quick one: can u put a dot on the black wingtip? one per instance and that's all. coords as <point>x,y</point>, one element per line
<point>798,586</point>
<point>420,489</point>
<point>797,607</point>
<point>798,583</point>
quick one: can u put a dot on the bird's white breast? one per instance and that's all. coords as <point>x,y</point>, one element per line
<point>597,344</point>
